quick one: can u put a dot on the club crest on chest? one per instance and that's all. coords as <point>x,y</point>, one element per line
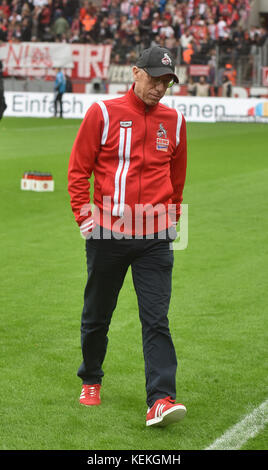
<point>162,142</point>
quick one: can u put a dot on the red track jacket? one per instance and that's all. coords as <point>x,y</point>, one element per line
<point>138,157</point>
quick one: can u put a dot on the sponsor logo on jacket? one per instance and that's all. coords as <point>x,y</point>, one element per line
<point>125,123</point>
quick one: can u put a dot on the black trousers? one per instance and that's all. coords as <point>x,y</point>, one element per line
<point>58,99</point>
<point>151,262</point>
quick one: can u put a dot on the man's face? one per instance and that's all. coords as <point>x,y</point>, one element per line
<point>150,89</point>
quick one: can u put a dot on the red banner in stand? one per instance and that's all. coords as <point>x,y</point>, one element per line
<point>198,70</point>
<point>81,61</point>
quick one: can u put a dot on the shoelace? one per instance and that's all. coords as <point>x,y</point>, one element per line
<point>91,390</point>
<point>169,400</point>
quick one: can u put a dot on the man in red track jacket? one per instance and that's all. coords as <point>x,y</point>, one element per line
<point>136,149</point>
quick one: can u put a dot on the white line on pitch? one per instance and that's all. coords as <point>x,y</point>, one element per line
<point>235,437</point>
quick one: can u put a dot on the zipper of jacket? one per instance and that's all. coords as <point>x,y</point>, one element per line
<point>143,158</point>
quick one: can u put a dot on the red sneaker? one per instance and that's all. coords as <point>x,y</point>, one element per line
<point>165,411</point>
<point>90,395</point>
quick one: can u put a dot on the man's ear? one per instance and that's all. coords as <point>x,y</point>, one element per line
<point>135,72</point>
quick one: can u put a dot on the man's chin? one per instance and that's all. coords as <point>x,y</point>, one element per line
<point>152,101</point>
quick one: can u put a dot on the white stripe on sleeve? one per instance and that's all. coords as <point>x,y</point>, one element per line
<point>178,129</point>
<point>106,121</point>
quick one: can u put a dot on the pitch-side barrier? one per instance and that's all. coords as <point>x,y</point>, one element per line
<point>195,109</point>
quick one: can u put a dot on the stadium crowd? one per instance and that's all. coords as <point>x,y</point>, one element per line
<point>191,29</point>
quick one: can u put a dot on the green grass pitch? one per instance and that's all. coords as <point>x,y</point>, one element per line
<point>218,312</point>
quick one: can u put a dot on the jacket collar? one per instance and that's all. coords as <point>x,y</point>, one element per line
<point>137,103</point>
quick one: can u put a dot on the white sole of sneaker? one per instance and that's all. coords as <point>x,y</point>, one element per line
<point>93,404</point>
<point>173,415</point>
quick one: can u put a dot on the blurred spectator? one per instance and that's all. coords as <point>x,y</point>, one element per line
<point>171,44</point>
<point>188,52</point>
<point>202,8</point>
<point>3,104</point>
<point>89,25</point>
<point>226,10</point>
<point>44,20</point>
<point>191,87</point>
<point>57,9</point>
<point>202,87</point>
<point>3,29</point>
<point>69,85</point>
<point>26,12</point>
<point>16,35</point>
<point>105,33</point>
<point>60,26</point>
<point>185,39</point>
<point>88,20</point>
<point>212,63</point>
<point>222,30</point>
<point>226,87</point>
<point>114,8</point>
<point>125,8</point>
<point>166,30</point>
<point>75,29</point>
<point>26,29</point>
<point>122,50</point>
<point>5,8</point>
<point>230,73</point>
<point>69,9</point>
<point>59,88</point>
